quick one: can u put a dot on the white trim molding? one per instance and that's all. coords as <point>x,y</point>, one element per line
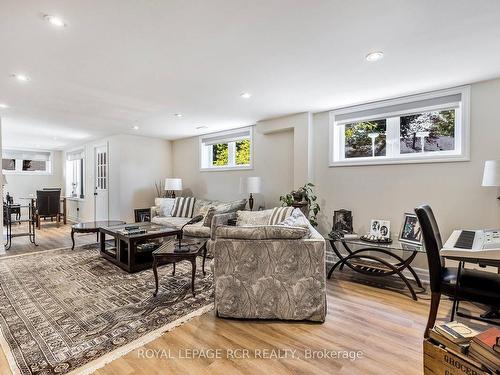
<point>390,110</point>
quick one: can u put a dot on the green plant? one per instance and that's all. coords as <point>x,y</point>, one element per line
<point>308,195</point>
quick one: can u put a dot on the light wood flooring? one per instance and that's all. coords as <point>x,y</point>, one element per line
<point>386,326</point>
<point>50,236</point>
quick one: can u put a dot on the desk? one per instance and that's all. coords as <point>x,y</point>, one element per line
<point>29,219</point>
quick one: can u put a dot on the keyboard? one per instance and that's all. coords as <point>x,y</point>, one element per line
<point>478,244</point>
<point>466,239</point>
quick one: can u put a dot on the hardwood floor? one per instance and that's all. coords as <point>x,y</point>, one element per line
<point>385,326</point>
<point>50,236</point>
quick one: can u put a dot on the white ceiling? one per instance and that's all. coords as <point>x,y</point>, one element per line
<point>121,63</point>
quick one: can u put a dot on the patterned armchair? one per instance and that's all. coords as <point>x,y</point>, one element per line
<point>267,272</point>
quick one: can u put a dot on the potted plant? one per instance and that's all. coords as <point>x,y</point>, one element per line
<point>304,194</point>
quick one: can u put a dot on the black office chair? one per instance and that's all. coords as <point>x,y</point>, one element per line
<point>460,284</point>
<point>48,204</point>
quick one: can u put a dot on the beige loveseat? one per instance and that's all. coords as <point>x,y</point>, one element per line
<point>215,213</point>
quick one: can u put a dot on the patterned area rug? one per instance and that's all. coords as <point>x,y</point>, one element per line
<point>64,309</point>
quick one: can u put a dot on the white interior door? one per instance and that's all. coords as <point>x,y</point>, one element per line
<point>101,192</point>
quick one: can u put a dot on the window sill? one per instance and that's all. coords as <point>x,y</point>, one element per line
<point>76,199</point>
<point>217,169</point>
<point>421,160</point>
<point>27,173</point>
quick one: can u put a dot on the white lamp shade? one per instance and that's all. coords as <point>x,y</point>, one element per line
<point>250,185</point>
<point>4,180</point>
<point>491,176</point>
<point>173,184</point>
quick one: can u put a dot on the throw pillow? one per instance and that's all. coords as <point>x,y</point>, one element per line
<point>244,218</point>
<point>297,219</point>
<point>183,207</point>
<point>279,214</point>
<point>261,232</point>
<point>166,205</point>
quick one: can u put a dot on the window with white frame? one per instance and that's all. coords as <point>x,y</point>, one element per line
<point>432,127</point>
<point>226,150</point>
<point>26,162</point>
<point>75,174</point>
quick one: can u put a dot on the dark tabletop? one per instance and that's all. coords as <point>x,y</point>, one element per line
<point>97,224</point>
<point>168,247</point>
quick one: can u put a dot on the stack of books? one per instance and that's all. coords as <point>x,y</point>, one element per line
<point>453,335</point>
<point>484,348</point>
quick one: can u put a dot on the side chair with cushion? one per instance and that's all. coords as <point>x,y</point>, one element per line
<point>461,285</point>
<point>48,205</point>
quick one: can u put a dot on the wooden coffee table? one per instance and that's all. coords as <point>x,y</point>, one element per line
<point>133,252</point>
<point>91,227</point>
<point>168,254</point>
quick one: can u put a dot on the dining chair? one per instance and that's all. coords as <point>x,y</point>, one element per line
<point>48,204</point>
<point>461,284</point>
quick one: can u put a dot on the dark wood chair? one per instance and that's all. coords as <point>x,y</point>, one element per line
<point>459,284</point>
<point>48,205</point>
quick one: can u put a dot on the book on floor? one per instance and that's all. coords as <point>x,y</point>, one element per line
<point>482,348</point>
<point>447,343</point>
<point>456,332</point>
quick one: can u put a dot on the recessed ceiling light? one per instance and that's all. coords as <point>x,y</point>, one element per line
<point>21,77</point>
<point>54,20</point>
<point>3,106</point>
<point>135,127</point>
<point>177,114</point>
<point>201,127</point>
<point>374,56</point>
<point>246,95</point>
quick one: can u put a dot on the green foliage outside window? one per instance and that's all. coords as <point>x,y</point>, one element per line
<point>220,154</point>
<point>359,144</point>
<point>243,152</point>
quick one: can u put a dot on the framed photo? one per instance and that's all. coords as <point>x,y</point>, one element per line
<point>142,215</point>
<point>380,228</point>
<point>342,221</point>
<point>410,230</point>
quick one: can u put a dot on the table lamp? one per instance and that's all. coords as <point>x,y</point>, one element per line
<point>250,185</point>
<point>491,175</point>
<point>171,185</point>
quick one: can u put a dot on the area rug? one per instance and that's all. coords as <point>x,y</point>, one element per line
<point>72,311</point>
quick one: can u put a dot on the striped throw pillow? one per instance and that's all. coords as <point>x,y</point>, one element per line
<point>279,214</point>
<point>183,207</point>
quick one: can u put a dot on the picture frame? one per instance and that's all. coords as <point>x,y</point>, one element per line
<point>342,221</point>
<point>380,228</point>
<point>142,215</point>
<point>410,232</point>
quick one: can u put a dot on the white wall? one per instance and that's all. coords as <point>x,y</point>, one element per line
<point>135,163</point>
<point>273,162</point>
<point>381,191</point>
<point>20,186</point>
<point>387,191</point>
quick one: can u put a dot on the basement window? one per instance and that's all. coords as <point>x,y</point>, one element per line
<point>26,162</point>
<point>75,183</point>
<point>432,127</point>
<point>226,150</point>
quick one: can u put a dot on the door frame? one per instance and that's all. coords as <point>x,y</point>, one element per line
<point>94,177</point>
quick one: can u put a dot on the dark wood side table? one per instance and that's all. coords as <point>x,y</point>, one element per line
<point>166,253</point>
<point>91,227</point>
